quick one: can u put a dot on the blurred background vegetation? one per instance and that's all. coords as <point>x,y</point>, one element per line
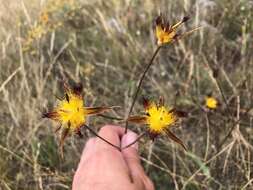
<point>105,45</point>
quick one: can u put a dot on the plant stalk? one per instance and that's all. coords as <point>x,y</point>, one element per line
<point>140,83</point>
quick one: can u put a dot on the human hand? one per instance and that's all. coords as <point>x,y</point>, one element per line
<point>103,167</point>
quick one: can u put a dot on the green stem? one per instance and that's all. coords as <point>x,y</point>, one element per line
<point>140,83</point>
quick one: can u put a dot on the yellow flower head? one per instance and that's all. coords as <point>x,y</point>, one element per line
<point>44,18</point>
<point>211,103</point>
<point>159,119</point>
<point>166,33</point>
<point>70,112</point>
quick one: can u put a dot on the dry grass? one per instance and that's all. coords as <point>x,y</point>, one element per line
<point>105,45</point>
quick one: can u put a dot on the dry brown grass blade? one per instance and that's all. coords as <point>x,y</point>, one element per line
<point>9,78</point>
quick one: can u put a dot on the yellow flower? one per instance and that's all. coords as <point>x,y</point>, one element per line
<point>36,32</point>
<point>166,33</point>
<point>211,103</point>
<point>44,18</point>
<point>159,119</point>
<point>70,112</point>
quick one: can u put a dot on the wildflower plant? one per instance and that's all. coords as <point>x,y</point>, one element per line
<point>165,34</point>
<point>71,114</point>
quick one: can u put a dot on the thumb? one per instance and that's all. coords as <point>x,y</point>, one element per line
<point>132,159</point>
<point>130,154</point>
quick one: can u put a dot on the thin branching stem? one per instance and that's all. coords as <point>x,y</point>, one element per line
<point>103,139</point>
<point>140,83</point>
<point>110,117</point>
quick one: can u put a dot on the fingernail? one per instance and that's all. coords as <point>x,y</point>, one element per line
<point>129,138</point>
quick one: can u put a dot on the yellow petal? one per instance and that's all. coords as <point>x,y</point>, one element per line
<point>211,103</point>
<point>166,37</point>
<point>159,31</point>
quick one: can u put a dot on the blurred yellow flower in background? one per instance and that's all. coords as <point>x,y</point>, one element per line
<point>52,17</point>
<point>211,103</point>
<point>44,17</point>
